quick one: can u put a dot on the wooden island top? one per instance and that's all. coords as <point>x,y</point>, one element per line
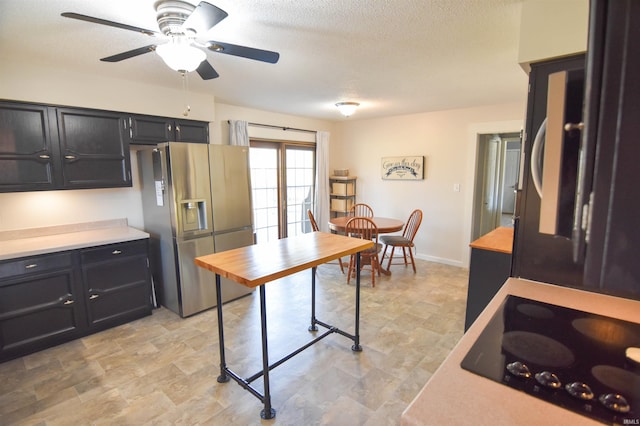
<point>500,240</point>
<point>258,264</point>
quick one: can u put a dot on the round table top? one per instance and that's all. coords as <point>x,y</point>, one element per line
<point>385,224</point>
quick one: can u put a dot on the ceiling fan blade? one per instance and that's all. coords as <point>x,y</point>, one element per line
<point>109,23</point>
<point>204,17</point>
<point>244,52</point>
<point>206,71</point>
<point>130,54</point>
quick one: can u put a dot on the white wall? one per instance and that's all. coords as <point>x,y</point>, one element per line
<point>448,140</point>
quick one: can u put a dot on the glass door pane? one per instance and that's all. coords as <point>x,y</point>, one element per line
<point>299,189</point>
<point>264,185</point>
<point>282,180</point>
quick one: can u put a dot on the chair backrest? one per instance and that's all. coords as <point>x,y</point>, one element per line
<point>411,228</point>
<point>362,227</point>
<point>314,224</point>
<point>361,210</point>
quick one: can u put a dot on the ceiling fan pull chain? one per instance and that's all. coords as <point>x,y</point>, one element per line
<point>185,88</point>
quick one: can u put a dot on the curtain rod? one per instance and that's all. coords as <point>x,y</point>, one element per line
<point>279,127</point>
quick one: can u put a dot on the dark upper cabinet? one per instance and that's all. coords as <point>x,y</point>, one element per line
<point>27,147</point>
<point>145,129</point>
<point>94,148</point>
<point>611,150</point>
<point>45,147</point>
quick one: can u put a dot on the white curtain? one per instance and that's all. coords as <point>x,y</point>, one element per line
<point>322,181</point>
<point>238,133</point>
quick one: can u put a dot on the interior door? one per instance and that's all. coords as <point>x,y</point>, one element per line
<point>489,212</point>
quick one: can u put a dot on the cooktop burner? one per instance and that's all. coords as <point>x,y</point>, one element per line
<point>570,358</point>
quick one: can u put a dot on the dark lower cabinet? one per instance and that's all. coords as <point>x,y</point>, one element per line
<point>51,299</point>
<point>41,304</point>
<point>116,282</point>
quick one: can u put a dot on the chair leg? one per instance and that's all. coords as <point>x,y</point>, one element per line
<point>341,265</point>
<point>393,248</point>
<point>413,263</point>
<point>404,254</point>
<point>384,252</point>
<point>349,269</point>
<point>373,272</point>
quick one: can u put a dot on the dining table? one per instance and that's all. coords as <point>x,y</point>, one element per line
<point>385,225</point>
<point>255,266</point>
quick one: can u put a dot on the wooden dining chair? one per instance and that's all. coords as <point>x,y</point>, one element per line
<point>361,210</point>
<point>404,241</point>
<point>365,228</point>
<point>315,228</point>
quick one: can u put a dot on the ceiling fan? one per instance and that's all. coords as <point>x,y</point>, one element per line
<point>181,24</point>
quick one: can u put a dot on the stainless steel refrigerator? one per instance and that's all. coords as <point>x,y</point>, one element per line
<point>196,200</point>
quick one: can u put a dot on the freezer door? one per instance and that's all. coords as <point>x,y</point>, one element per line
<point>189,187</point>
<point>230,187</point>
<point>197,285</point>
<point>227,241</point>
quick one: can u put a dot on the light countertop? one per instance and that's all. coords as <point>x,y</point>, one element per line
<point>35,241</point>
<point>500,240</point>
<point>454,396</point>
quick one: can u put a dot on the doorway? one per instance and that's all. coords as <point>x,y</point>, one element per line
<point>283,184</point>
<point>497,169</point>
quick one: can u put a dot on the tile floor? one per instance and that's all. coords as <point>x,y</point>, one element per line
<point>161,370</point>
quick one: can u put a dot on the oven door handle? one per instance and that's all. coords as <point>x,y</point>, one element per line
<point>536,157</point>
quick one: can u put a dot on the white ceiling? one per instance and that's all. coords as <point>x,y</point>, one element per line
<point>392,56</point>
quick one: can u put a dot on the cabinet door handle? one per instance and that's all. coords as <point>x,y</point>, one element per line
<point>69,302</point>
<point>573,126</point>
<point>116,252</point>
<point>70,157</point>
<point>177,128</point>
<point>94,296</point>
<point>44,156</point>
<point>169,127</point>
<point>31,266</point>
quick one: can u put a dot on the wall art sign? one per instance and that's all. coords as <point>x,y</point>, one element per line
<point>403,168</point>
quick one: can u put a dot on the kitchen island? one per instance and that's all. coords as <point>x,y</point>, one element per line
<point>457,397</point>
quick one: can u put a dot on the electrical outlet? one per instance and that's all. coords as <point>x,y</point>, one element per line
<point>456,187</point>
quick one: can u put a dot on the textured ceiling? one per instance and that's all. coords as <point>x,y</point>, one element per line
<point>392,56</point>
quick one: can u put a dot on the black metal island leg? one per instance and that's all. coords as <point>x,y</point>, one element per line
<point>223,377</point>
<point>356,341</point>
<point>268,412</point>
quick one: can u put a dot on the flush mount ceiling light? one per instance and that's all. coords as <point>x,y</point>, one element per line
<point>180,55</point>
<point>347,108</point>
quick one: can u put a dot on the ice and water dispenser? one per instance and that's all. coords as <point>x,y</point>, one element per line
<point>193,214</point>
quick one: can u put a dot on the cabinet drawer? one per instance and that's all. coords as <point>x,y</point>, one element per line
<point>29,265</point>
<point>113,251</point>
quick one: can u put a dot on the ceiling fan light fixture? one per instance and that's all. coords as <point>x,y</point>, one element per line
<point>347,108</point>
<point>180,55</point>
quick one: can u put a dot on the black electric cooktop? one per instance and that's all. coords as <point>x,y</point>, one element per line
<point>577,360</point>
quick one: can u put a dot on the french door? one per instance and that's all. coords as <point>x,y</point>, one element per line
<point>283,187</point>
